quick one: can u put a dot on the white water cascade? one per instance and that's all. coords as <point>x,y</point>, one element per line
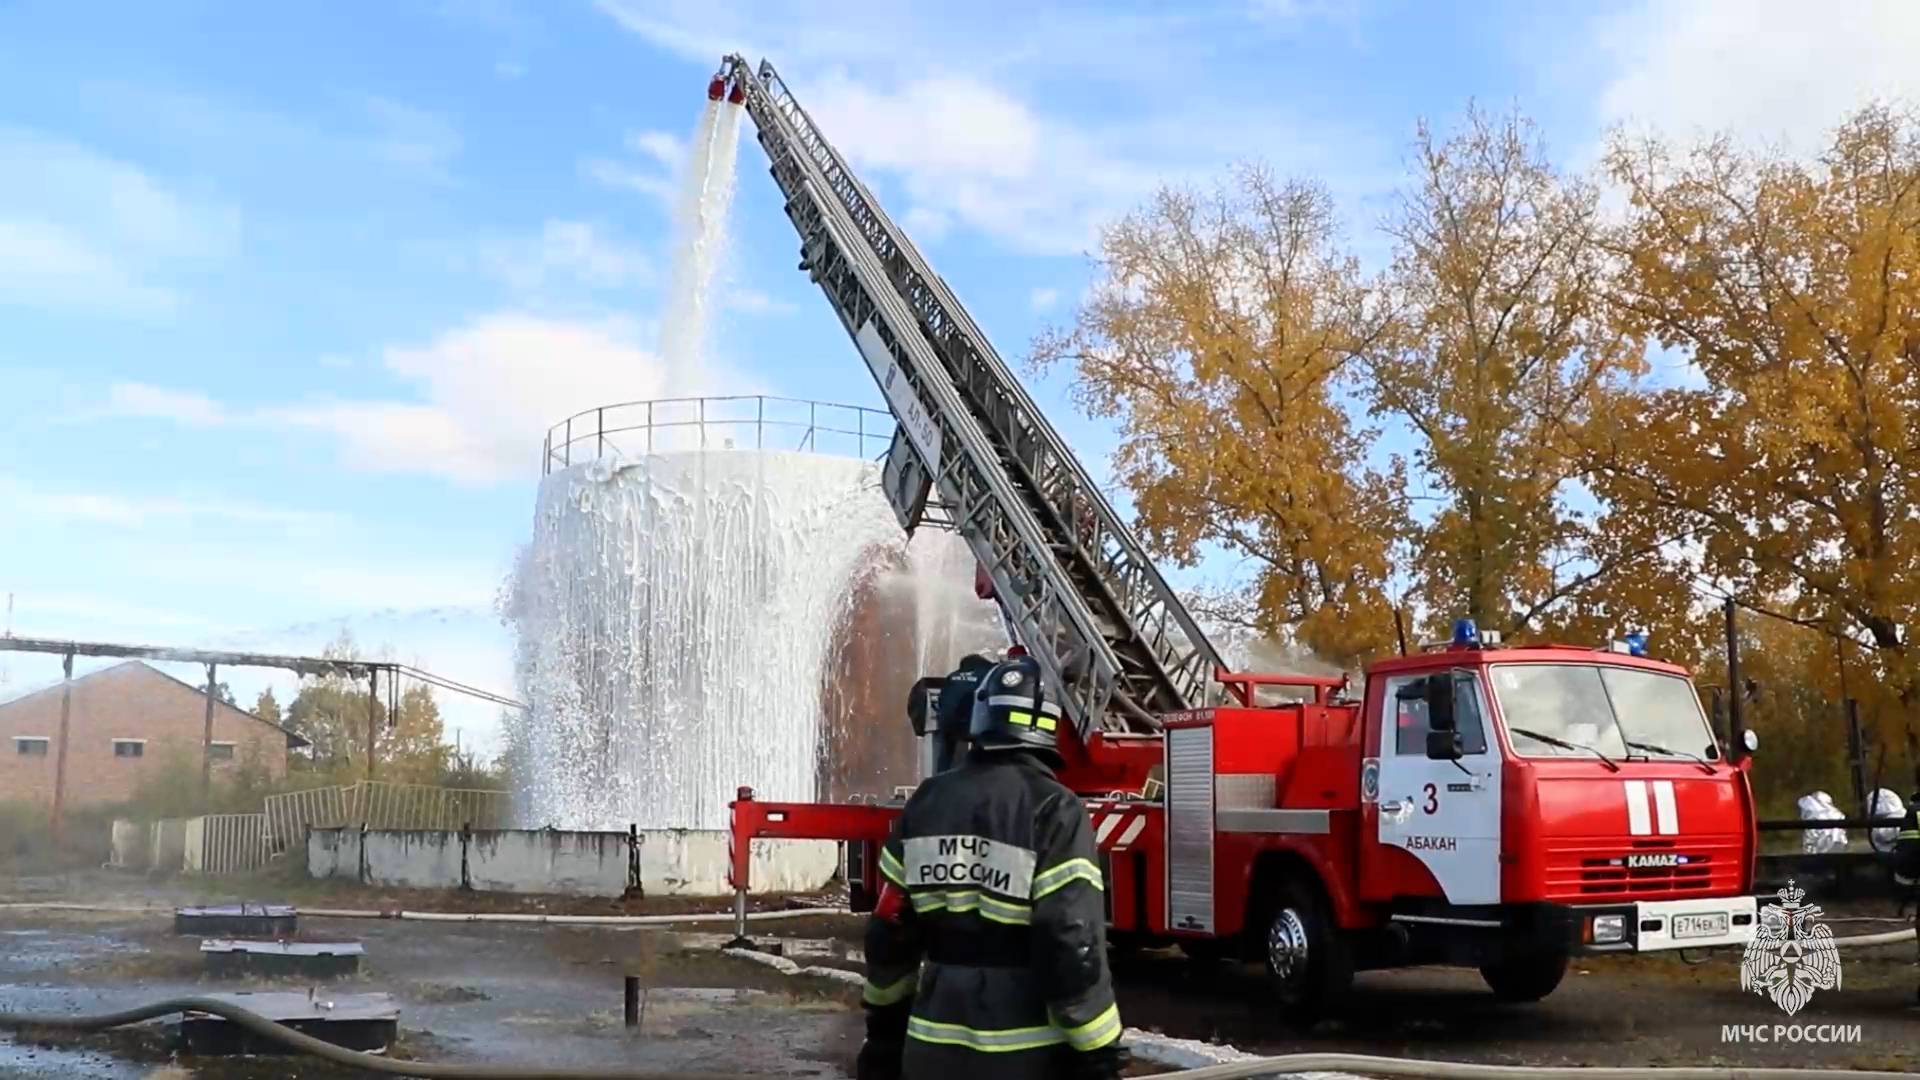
<point>682,603</point>
<point>700,235</point>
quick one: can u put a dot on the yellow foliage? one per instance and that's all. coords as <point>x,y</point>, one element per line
<point>1217,338</point>
<point>1500,346</point>
<point>1795,290</point>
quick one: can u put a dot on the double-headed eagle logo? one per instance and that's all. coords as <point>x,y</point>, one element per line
<point>1792,953</point>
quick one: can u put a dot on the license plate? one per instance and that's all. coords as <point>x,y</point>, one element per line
<point>1699,926</point>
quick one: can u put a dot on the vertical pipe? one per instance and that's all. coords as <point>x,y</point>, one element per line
<point>373,706</point>
<point>206,745</point>
<point>600,430</point>
<point>1736,716</point>
<point>60,760</point>
<point>1400,630</point>
<point>633,1001</point>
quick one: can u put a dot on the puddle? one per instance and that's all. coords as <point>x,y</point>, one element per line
<point>18,1062</point>
<point>33,951</point>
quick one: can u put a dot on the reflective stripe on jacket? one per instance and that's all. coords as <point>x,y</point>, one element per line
<point>1002,947</point>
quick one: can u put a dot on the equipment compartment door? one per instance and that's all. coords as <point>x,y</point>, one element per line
<point>1445,814</point>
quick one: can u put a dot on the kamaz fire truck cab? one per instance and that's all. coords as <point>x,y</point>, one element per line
<point>1498,807</point>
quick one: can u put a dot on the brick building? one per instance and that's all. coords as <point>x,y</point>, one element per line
<point>126,722</point>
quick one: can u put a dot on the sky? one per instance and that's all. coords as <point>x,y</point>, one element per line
<point>291,293</point>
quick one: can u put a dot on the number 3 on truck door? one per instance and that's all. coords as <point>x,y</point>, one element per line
<point>1433,800</point>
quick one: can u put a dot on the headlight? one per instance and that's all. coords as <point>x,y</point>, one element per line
<point>1609,929</point>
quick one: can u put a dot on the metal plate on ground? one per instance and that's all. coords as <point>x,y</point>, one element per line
<point>355,1021</point>
<point>265,921</point>
<point>308,959</point>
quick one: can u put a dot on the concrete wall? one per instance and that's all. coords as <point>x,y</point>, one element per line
<point>673,862</point>
<point>131,844</point>
<point>167,845</point>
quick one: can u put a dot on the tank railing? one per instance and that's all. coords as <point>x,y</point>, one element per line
<point>798,424</point>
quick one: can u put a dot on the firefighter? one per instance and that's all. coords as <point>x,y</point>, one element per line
<point>955,711</point>
<point>991,877</point>
<point>1906,862</point>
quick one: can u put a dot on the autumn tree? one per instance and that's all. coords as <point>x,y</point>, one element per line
<point>1794,289</point>
<point>1217,339</point>
<point>267,707</point>
<point>1500,346</point>
<point>332,712</point>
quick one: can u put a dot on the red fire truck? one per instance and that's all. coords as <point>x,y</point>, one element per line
<point>1501,808</point>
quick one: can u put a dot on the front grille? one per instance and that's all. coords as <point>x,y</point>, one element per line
<point>1600,869</point>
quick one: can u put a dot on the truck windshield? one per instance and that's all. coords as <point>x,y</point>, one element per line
<point>1621,712</point>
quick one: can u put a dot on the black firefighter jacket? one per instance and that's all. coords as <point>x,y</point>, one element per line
<point>1006,909</point>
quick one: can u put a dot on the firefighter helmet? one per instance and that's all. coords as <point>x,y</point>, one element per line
<point>1012,710</point>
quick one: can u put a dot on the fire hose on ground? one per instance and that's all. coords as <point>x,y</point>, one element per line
<point>1363,1064</point>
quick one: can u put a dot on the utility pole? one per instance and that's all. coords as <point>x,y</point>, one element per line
<point>206,744</point>
<point>373,707</point>
<point>60,762</point>
<point>1736,718</point>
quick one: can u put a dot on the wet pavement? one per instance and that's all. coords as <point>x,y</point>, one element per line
<point>1623,1011</point>
<point>468,992</point>
<point>551,995</point>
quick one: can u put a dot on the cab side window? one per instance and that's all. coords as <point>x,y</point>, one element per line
<point>1409,718</point>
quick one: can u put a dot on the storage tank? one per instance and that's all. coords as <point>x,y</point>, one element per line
<point>716,594</point>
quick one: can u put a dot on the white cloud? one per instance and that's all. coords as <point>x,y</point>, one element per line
<point>80,231</point>
<point>411,137</point>
<point>926,225</point>
<point>937,99</point>
<point>123,509</point>
<point>490,390</point>
<point>662,146</point>
<point>1766,70</point>
<point>567,253</point>
<point>509,69</point>
<point>189,408</point>
<point>971,153</point>
<point>1043,299</point>
<point>656,178</point>
<point>755,302</point>
<point>487,393</point>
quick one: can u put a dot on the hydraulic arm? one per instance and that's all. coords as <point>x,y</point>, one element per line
<point>972,453</point>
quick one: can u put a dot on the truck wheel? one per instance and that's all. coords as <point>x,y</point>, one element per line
<point>1308,959</point>
<point>1526,978</point>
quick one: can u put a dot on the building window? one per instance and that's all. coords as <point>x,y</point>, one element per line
<point>220,751</point>
<point>30,745</point>
<point>129,747</point>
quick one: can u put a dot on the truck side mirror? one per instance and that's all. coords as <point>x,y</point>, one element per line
<point>1445,746</point>
<point>1440,702</point>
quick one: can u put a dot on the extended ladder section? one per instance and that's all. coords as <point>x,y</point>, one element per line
<point>972,452</point>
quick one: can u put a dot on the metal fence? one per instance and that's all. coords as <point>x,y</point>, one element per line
<point>379,804</point>
<point>226,843</point>
<point>288,816</point>
<point>740,422</point>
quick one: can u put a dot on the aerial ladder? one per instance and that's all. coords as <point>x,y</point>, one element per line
<point>972,453</point>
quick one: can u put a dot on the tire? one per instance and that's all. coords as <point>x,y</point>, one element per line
<point>1529,977</point>
<point>1309,961</point>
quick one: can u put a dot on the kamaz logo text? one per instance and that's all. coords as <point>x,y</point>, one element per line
<point>1663,858</point>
